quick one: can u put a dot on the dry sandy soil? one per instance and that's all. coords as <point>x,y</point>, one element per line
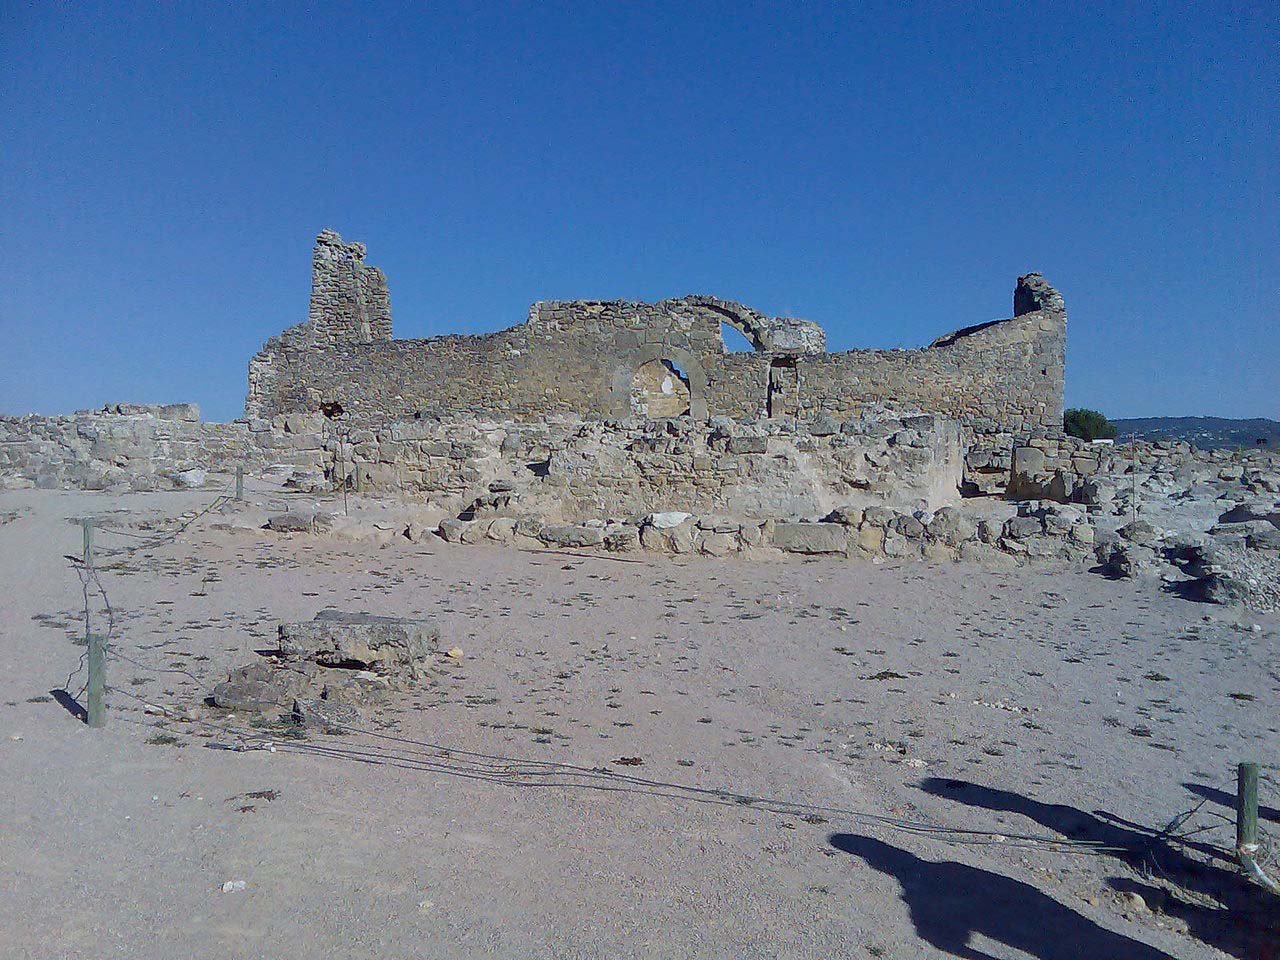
<point>867,708</point>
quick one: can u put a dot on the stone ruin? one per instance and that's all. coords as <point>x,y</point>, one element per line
<point>594,407</point>
<point>618,425</point>
<point>619,360</point>
<point>324,670</point>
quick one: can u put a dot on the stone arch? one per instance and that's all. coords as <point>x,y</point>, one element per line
<point>694,378</point>
<point>752,324</point>
<point>765,334</point>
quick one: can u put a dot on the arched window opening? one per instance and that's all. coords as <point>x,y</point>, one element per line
<point>659,390</point>
<point>735,341</point>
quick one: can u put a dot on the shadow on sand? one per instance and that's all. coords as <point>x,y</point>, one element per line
<point>1220,907</point>
<point>70,704</point>
<point>950,902</point>
<point>1228,800</point>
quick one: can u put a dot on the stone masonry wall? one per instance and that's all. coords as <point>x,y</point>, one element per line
<point>581,358</point>
<point>573,469</point>
<point>561,468</point>
<point>139,447</point>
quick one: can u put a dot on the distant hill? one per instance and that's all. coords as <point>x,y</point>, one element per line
<point>1206,432</point>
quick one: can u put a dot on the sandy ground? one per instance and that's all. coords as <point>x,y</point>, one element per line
<point>1052,703</point>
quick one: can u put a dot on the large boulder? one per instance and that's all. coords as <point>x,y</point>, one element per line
<point>361,640</point>
<point>1140,532</point>
<point>1252,511</point>
<point>951,526</point>
<point>1259,534</point>
<point>299,522</point>
<point>1125,560</point>
<point>1021,528</point>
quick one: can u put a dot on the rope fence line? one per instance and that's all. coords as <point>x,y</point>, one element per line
<point>99,646</point>
<point>439,758</point>
<point>554,774</point>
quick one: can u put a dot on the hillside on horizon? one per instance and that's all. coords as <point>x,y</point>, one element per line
<point>1205,432</point>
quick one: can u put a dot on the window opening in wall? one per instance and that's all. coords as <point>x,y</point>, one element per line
<point>659,389</point>
<point>783,398</point>
<point>735,341</point>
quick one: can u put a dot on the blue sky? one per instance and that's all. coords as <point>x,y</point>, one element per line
<point>885,169</point>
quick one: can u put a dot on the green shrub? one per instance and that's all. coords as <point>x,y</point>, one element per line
<point>1088,425</point>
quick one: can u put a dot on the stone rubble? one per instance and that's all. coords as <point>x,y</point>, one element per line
<point>324,669</point>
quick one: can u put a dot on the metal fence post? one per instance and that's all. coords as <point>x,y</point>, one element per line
<point>87,524</point>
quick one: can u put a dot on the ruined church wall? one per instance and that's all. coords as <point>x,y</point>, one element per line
<point>1000,379</point>
<point>1006,378</point>
<point>514,373</point>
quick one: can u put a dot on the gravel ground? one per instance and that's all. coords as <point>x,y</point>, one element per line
<point>1045,702</point>
<point>1260,571</point>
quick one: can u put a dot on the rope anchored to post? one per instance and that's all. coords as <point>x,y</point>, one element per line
<point>1247,825</point>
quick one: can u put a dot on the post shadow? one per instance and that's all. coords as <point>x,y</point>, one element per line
<point>70,704</point>
<point>1221,797</point>
<point>950,902</point>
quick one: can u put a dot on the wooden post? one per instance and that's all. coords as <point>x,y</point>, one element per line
<point>97,702</point>
<point>239,481</point>
<point>87,524</point>
<point>1247,809</point>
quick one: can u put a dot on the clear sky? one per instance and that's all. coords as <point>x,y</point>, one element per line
<point>885,169</point>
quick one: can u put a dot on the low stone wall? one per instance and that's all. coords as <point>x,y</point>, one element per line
<point>564,468</point>
<point>138,447</point>
<point>1037,532</point>
<point>572,468</point>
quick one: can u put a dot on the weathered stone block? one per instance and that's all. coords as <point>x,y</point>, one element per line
<point>568,535</point>
<point>951,526</point>
<point>811,537</point>
<point>344,639</point>
<point>747,445</point>
<point>1020,528</point>
<point>299,522</point>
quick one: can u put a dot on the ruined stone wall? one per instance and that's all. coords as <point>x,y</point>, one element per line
<point>349,300</point>
<point>583,357</point>
<point>561,468</point>
<point>1067,469</point>
<point>139,447</point>
<point>574,469</point>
